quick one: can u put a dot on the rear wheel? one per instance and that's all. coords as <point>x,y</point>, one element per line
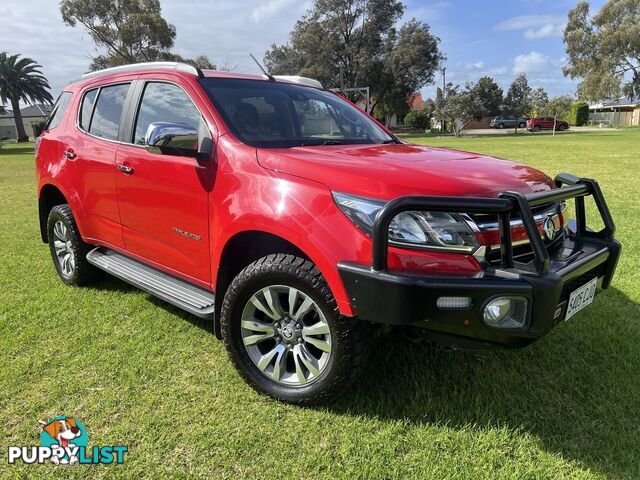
<point>284,334</point>
<point>68,251</point>
<point>536,128</point>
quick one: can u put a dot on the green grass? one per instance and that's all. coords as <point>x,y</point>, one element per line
<point>140,373</point>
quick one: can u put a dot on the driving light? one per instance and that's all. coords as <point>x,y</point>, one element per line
<point>437,230</point>
<point>453,303</point>
<point>506,312</point>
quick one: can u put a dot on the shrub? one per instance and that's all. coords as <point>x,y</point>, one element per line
<point>579,113</point>
<point>418,119</point>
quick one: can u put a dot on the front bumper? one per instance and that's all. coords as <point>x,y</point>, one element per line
<point>401,299</point>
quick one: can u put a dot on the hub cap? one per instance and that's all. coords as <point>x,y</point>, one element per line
<point>63,249</point>
<point>286,335</point>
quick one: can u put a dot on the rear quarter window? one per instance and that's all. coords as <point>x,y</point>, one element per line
<point>58,111</point>
<point>88,101</point>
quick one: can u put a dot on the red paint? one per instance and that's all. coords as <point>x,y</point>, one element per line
<point>285,192</point>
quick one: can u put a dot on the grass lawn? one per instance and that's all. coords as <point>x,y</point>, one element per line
<point>140,373</point>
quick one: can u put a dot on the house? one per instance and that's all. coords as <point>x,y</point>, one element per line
<point>31,116</point>
<point>623,111</point>
<point>397,119</point>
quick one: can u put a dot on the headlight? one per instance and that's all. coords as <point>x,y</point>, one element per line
<point>444,231</point>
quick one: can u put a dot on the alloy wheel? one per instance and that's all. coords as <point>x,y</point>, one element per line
<point>286,335</point>
<point>63,249</point>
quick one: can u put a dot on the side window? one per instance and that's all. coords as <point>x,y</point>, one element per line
<point>58,111</point>
<point>164,102</point>
<point>88,102</point>
<point>106,116</point>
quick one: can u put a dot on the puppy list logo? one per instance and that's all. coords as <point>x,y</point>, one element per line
<point>63,441</point>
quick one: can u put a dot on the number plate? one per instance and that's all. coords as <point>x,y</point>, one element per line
<point>581,297</point>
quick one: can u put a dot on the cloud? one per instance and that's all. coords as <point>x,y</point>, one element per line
<point>534,26</point>
<point>428,13</point>
<point>534,63</point>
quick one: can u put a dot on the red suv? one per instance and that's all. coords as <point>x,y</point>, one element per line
<point>300,227</point>
<point>547,123</point>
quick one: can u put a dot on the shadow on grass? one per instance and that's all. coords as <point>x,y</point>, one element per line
<point>576,390</point>
<point>17,150</point>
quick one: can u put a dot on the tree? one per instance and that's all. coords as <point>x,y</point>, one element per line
<point>458,108</point>
<point>131,31</point>
<point>355,43</point>
<point>604,51</point>
<point>418,119</point>
<point>22,80</point>
<point>539,100</point>
<point>489,93</point>
<point>559,108</point>
<point>517,101</point>
<point>579,113</point>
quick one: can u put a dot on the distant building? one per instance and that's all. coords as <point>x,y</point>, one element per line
<point>623,111</point>
<point>415,103</point>
<point>31,116</point>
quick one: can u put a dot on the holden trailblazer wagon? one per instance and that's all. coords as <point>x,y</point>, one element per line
<point>299,226</point>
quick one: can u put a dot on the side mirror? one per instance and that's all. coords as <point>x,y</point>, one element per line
<point>174,139</point>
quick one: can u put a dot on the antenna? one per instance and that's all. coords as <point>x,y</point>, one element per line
<point>266,74</point>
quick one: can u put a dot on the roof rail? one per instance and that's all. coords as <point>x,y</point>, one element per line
<point>309,82</point>
<point>184,67</point>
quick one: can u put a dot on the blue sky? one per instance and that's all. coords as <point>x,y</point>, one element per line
<point>495,37</point>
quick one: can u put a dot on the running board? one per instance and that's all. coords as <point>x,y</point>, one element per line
<point>180,293</point>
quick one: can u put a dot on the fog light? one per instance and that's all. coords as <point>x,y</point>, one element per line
<point>453,303</point>
<point>506,312</point>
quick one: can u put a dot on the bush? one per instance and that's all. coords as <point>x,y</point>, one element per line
<point>579,113</point>
<point>418,119</point>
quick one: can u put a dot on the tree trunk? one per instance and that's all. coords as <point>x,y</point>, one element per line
<point>17,118</point>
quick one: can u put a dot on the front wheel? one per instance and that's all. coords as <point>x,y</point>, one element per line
<point>284,334</point>
<point>501,126</point>
<point>536,128</point>
<point>561,128</point>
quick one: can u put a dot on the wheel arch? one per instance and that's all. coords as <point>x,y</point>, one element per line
<point>49,197</point>
<point>239,251</point>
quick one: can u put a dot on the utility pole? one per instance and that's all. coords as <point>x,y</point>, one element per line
<point>444,94</point>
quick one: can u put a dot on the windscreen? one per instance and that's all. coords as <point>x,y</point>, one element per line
<point>279,115</point>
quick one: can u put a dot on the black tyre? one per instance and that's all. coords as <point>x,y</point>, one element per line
<point>522,125</point>
<point>561,128</point>
<point>536,128</point>
<point>284,334</point>
<point>501,125</point>
<point>68,251</point>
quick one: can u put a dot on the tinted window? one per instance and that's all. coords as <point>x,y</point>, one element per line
<point>87,108</point>
<point>275,114</point>
<point>58,111</point>
<point>164,102</point>
<point>106,116</point>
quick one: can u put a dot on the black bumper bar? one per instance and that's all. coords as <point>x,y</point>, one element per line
<point>399,298</point>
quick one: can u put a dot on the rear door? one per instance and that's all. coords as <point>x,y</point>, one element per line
<point>93,149</point>
<point>163,198</point>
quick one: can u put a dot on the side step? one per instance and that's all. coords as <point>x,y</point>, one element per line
<point>184,295</point>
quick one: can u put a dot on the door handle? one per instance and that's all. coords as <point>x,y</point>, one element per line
<point>126,169</point>
<point>70,154</point>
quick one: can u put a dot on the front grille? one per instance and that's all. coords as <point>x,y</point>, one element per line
<point>577,282</point>
<point>488,219</point>
<point>523,252</point>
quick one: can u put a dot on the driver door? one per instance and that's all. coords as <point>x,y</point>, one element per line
<point>163,197</point>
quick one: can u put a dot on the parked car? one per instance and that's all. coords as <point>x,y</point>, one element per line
<point>546,123</point>
<point>300,227</point>
<point>507,121</point>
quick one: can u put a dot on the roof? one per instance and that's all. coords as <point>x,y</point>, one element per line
<point>619,102</point>
<point>415,102</point>
<point>35,110</point>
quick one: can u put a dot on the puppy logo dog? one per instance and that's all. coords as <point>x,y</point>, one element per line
<point>65,433</point>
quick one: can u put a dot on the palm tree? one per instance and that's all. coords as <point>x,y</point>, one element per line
<point>21,79</point>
